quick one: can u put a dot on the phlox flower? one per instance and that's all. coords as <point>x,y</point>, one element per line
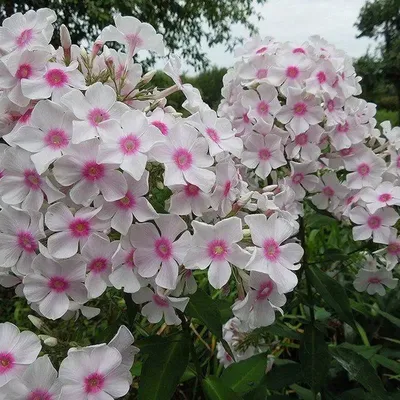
<point>162,120</point>
<point>215,246</point>
<point>392,134</point>
<point>270,255</point>
<point>53,283</point>
<point>332,192</point>
<point>256,68</point>
<point>257,46</point>
<point>71,230</point>
<point>334,110</point>
<point>385,194</point>
<point>261,301</point>
<point>123,342</point>
<point>374,281</point>
<point>394,165</point>
<point>301,178</point>
<point>17,351</point>
<point>347,133</point>
<point>188,199</point>
<point>375,224</point>
<point>159,252</point>
<point>186,284</point>
<point>94,111</point>
<point>79,167</point>
<point>305,145</point>
<point>160,305</point>
<point>392,251</point>
<point>322,79</point>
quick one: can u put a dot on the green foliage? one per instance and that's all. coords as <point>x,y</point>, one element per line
<point>215,389</point>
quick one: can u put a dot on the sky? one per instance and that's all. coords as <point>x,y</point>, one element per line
<point>296,20</point>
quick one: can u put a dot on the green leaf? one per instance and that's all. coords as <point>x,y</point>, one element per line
<point>387,363</point>
<point>359,369</point>
<point>366,351</point>
<point>304,393</point>
<point>282,330</point>
<point>163,368</point>
<point>283,373</point>
<point>394,320</point>
<point>214,389</point>
<point>245,375</point>
<point>131,308</point>
<point>314,357</point>
<point>332,292</point>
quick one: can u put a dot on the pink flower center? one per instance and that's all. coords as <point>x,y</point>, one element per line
<point>363,169</point>
<point>297,178</point>
<point>374,222</point>
<point>292,72</point>
<point>262,73</point>
<point>321,76</point>
<point>265,290</point>
<point>24,38</point>
<point>302,139</point>
<point>299,50</point>
<point>79,228</point>
<point>40,394</point>
<point>300,108</point>
<point>227,188</point>
<point>161,301</point>
<point>213,135</point>
<point>264,154</point>
<point>394,248</point>
<point>56,139</point>
<point>262,50</point>
<point>98,265</point>
<point>374,280</point>
<point>385,197</point>
<point>161,126</point>
<point>246,118</point>
<point>58,284</point>
<point>343,128</point>
<point>6,362</point>
<point>127,202</point>
<point>129,259</point>
<point>56,78</point>
<point>328,191</point>
<point>263,107</point>
<point>24,71</point>
<point>129,144</point>
<point>191,190</point>
<point>27,242</point>
<point>98,115</point>
<point>183,159</point>
<point>32,179</point>
<point>94,383</point>
<point>217,249</point>
<point>134,40</point>
<point>331,105</point>
<point>92,171</point>
<point>271,249</point>
<point>163,248</point>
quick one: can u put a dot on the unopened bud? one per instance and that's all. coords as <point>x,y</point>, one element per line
<point>37,322</point>
<point>50,341</point>
<point>65,37</point>
<point>243,200</point>
<point>160,185</point>
<point>148,76</point>
<point>97,47</point>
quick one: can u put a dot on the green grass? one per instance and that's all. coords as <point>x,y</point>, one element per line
<point>387,115</point>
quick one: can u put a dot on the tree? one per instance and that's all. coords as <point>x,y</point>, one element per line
<point>381,20</point>
<point>187,25</point>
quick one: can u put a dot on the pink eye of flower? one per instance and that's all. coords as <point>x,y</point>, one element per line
<point>183,159</point>
<point>32,179</point>
<point>6,362</point>
<point>321,76</point>
<point>393,248</point>
<point>300,108</point>
<point>40,394</point>
<point>161,126</point>
<point>94,383</point>
<point>191,190</point>
<point>217,249</point>
<point>129,259</point>
<point>27,242</point>
<point>98,265</point>
<point>374,222</point>
<point>79,227</point>
<point>24,38</point>
<point>264,154</point>
<point>56,78</point>
<point>262,73</point>
<point>160,301</point>
<point>297,178</point>
<point>298,50</point>
<point>384,197</point>
<point>302,139</point>
<point>262,50</point>
<point>343,128</point>
<point>292,72</point>
<point>98,115</point>
<point>24,71</point>
<point>331,105</point>
<point>363,169</point>
<point>163,248</point>
<point>58,284</point>
<point>271,249</point>
<point>374,280</point>
<point>213,135</point>
<point>265,290</point>
<point>93,171</point>
<point>134,40</point>
<point>328,191</point>
<point>263,108</point>
<point>129,144</point>
<point>127,202</point>
<point>56,139</point>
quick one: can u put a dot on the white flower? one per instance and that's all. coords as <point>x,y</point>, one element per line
<point>189,199</point>
<point>374,281</point>
<point>385,194</point>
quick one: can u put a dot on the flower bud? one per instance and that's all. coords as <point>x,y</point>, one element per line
<point>97,47</point>
<point>37,322</point>
<point>65,37</point>
<point>148,76</point>
<point>50,341</point>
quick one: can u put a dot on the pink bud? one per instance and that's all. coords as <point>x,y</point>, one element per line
<point>65,37</point>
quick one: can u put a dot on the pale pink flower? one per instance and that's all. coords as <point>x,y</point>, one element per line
<point>20,232</point>
<point>257,46</point>
<point>305,145</point>
<point>392,251</point>
<point>374,281</point>
<point>53,283</point>
<point>215,246</point>
<point>95,111</point>
<point>263,103</point>
<point>262,300</point>
<point>158,252</point>
<point>300,111</point>
<point>392,134</point>
<point>95,373</point>
<point>121,212</point>
<point>321,79</point>
<point>128,146</point>
<point>394,166</point>
<point>38,382</point>
<point>47,135</point>
<point>162,120</point>
<point>334,110</point>
<point>332,192</point>
<point>71,230</point>
<point>160,305</point>
<point>17,351</point>
<point>22,185</point>
<point>186,284</point>
<point>270,255</point>
<point>123,342</point>
<point>301,178</point>
<point>189,199</point>
<point>375,224</point>
<point>264,153</point>
<point>256,68</point>
<point>57,81</point>
<point>385,194</point>
<point>185,158</point>
<point>79,167</point>
<point>347,133</point>
<point>97,253</point>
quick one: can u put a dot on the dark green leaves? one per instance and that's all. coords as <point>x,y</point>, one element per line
<point>215,389</point>
<point>332,292</point>
<point>282,374</point>
<point>166,362</point>
<point>314,357</point>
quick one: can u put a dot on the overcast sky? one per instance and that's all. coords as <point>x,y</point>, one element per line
<point>296,20</point>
